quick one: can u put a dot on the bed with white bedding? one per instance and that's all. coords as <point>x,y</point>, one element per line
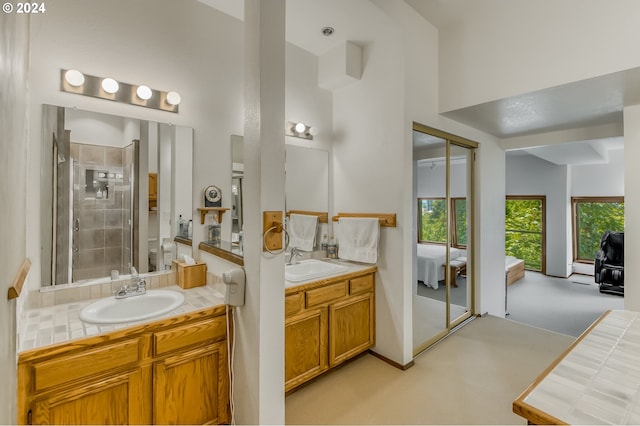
<point>431,258</point>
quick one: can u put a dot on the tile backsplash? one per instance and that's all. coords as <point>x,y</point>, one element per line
<point>66,293</point>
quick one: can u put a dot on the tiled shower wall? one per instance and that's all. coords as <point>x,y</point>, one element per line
<point>101,219</point>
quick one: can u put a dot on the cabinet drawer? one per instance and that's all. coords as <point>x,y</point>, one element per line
<point>293,304</point>
<point>361,284</point>
<point>326,294</point>
<point>95,361</point>
<point>186,335</point>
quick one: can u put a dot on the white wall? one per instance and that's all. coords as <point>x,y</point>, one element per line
<point>505,48</point>
<point>306,102</point>
<point>529,175</point>
<point>14,101</point>
<point>368,159</point>
<point>376,169</point>
<point>599,180</point>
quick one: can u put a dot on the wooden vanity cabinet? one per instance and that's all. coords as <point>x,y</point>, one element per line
<point>191,381</point>
<point>327,323</point>
<point>173,371</point>
<point>306,339</point>
<point>111,399</point>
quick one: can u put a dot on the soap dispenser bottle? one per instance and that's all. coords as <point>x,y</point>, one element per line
<point>325,243</point>
<point>332,249</point>
<point>180,226</point>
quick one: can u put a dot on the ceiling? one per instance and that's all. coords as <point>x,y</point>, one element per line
<point>590,102</point>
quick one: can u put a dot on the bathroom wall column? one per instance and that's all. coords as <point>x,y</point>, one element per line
<point>259,378</point>
<point>14,45</point>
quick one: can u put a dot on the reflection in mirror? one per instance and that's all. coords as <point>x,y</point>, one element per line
<point>461,201</point>
<point>237,178</point>
<point>307,177</point>
<point>429,300</point>
<point>110,189</point>
<point>306,182</point>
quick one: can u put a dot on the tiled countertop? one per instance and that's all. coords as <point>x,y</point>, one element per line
<point>351,269</point>
<point>597,381</point>
<point>61,323</point>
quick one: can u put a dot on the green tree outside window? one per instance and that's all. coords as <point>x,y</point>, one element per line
<point>524,227</point>
<point>594,218</point>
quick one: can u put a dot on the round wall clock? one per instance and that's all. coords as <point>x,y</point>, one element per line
<point>212,196</point>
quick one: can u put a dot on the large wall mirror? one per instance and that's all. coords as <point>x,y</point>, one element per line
<point>111,189</point>
<point>306,180</point>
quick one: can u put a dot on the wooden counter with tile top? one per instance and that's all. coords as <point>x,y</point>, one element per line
<point>170,369</point>
<point>327,322</point>
<point>596,381</point>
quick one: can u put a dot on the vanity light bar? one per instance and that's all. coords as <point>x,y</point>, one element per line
<point>74,81</point>
<point>300,130</point>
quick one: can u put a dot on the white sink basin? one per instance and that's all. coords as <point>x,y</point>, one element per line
<point>135,308</point>
<point>310,269</point>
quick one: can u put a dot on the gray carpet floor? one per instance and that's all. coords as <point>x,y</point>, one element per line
<point>566,306</point>
<point>458,294</point>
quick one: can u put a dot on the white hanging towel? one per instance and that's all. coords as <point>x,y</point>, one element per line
<point>302,231</point>
<point>359,238</point>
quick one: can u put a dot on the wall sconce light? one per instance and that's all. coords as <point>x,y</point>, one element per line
<point>300,130</point>
<point>73,81</point>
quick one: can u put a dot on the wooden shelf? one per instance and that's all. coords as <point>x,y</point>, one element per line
<point>204,210</point>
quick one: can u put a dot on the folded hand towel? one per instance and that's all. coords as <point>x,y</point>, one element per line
<point>359,239</point>
<point>302,231</point>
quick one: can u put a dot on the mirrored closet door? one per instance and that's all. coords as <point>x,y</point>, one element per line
<point>443,264</point>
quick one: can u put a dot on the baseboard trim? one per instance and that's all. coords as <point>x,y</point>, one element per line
<point>392,362</point>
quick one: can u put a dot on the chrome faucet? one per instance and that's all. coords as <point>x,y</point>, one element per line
<point>295,251</point>
<point>138,286</point>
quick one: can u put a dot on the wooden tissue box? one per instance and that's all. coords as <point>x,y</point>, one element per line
<point>190,276</point>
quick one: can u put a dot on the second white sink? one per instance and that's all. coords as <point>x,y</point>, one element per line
<point>310,269</point>
<point>135,308</point>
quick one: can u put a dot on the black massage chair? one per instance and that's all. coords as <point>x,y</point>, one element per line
<point>609,263</point>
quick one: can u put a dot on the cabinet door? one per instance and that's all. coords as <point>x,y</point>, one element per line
<point>192,387</point>
<point>305,342</point>
<point>351,328</point>
<point>115,400</point>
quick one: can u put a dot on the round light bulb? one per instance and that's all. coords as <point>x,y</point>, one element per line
<point>173,98</point>
<point>300,127</point>
<point>143,92</point>
<point>109,85</point>
<point>74,78</point>
<point>313,130</point>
